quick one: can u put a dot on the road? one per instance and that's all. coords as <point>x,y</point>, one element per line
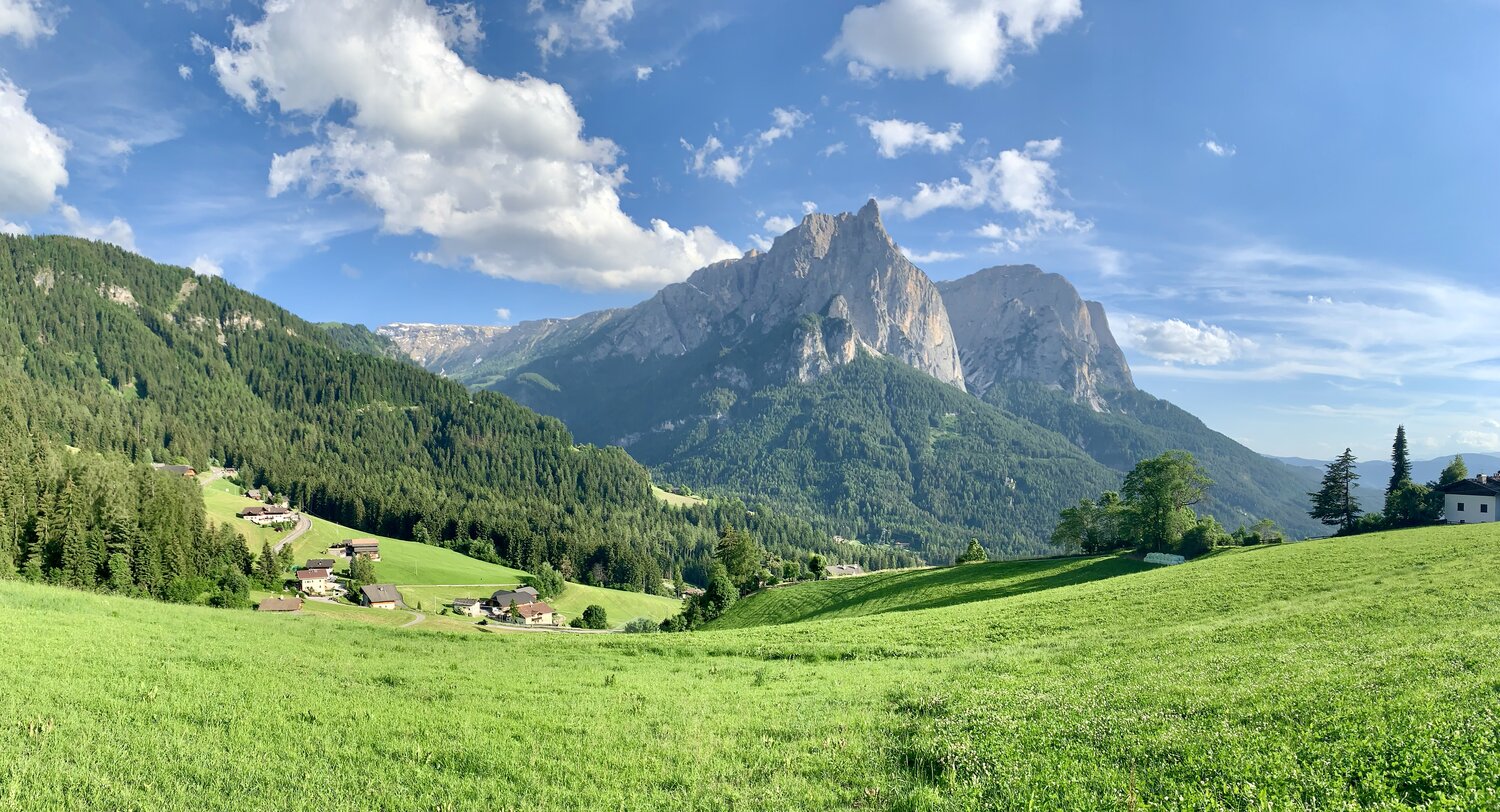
<point>304,524</point>
<point>414,621</point>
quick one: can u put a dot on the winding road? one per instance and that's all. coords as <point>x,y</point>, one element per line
<point>304,524</point>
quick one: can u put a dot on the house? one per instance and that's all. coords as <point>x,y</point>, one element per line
<point>253,493</point>
<point>267,514</point>
<point>380,596</point>
<point>504,598</point>
<point>369,547</point>
<point>313,582</point>
<point>473,607</point>
<point>252,512</point>
<point>280,605</point>
<point>1471,501</point>
<point>843,570</point>
<point>693,592</point>
<point>179,470</point>
<point>532,614</point>
<point>319,564</point>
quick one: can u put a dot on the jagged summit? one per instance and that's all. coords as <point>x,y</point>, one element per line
<point>890,304</point>
<point>1018,322</point>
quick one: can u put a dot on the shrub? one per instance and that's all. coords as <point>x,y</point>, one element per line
<point>642,625</point>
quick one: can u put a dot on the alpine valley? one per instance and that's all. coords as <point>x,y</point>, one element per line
<point>831,378</point>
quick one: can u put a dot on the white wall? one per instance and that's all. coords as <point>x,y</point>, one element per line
<point>1476,509</point>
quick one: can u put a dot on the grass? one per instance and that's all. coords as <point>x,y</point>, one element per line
<point>908,590</point>
<point>429,576</point>
<point>1339,674</point>
<point>677,499</point>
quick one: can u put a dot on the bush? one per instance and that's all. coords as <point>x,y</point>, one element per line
<point>594,617</point>
<point>642,625</point>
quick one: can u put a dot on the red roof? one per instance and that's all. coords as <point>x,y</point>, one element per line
<point>311,575</point>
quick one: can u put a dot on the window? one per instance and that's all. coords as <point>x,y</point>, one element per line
<point>1460,507</point>
<point>1484,508</point>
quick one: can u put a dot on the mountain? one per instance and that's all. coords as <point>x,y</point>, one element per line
<point>111,354</point>
<point>831,377</point>
<point>1375,474</point>
<point>1016,323</point>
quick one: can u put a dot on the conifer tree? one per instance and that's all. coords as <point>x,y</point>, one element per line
<point>1457,471</point>
<point>1334,502</point>
<point>265,566</point>
<point>1400,462</point>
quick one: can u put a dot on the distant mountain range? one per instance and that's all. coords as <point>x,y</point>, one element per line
<point>831,377</point>
<point>1375,474</point>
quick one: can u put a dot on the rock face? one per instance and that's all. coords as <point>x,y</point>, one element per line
<point>471,353</point>
<point>1015,322</point>
<point>843,266</point>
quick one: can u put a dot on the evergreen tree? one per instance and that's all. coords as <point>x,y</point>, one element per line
<point>362,570</point>
<point>974,554</point>
<point>1456,471</point>
<point>1334,503</point>
<point>266,567</point>
<point>1400,462</point>
<point>741,556</point>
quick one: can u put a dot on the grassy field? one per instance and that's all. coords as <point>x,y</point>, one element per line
<point>429,576</point>
<point>1340,674</point>
<point>909,590</point>
<point>677,500</point>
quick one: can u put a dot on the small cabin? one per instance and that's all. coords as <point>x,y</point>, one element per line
<point>1471,501</point>
<point>379,596</point>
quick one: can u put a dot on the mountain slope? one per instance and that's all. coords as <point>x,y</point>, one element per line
<point>109,352</point>
<point>740,378</point>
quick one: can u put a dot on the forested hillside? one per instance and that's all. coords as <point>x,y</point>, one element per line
<point>112,353</point>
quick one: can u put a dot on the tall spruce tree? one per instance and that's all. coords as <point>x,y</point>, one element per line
<point>1334,503</point>
<point>1400,462</point>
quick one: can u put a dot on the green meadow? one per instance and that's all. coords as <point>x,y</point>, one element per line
<point>1337,674</point>
<point>430,577</point>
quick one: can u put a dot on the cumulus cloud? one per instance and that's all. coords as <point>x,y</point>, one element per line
<point>643,72</point>
<point>27,20</point>
<point>808,207</point>
<point>1176,341</point>
<point>203,266</point>
<point>580,24</point>
<point>894,136</point>
<point>1217,149</point>
<point>779,224</point>
<point>13,229</point>
<point>115,231</point>
<point>968,41</point>
<point>502,313</point>
<point>498,171</point>
<point>1017,181</point>
<point>714,159</point>
<point>836,148</point>
<point>33,158</point>
<point>184,71</point>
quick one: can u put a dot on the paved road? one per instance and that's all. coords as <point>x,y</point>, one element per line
<point>414,621</point>
<point>304,524</point>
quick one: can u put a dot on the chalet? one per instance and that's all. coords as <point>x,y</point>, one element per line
<point>473,607</point>
<point>843,570</point>
<point>179,470</point>
<point>280,605</point>
<point>319,564</point>
<point>532,614</point>
<point>313,582</point>
<point>1471,501</point>
<point>693,592</point>
<point>380,596</point>
<point>252,511</point>
<point>504,598</point>
<point>369,547</point>
<point>267,514</point>
<point>253,493</point>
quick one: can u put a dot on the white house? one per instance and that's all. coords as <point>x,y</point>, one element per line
<point>1471,501</point>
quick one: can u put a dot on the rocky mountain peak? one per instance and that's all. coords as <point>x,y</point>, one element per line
<point>1018,322</point>
<point>891,306</point>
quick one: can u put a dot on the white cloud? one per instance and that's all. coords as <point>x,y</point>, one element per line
<point>580,24</point>
<point>836,148</point>
<point>920,257</point>
<point>643,72</point>
<point>1020,182</point>
<point>502,313</point>
<point>1215,148</point>
<point>1176,341</point>
<point>33,163</point>
<point>498,171</point>
<point>894,136</point>
<point>115,231</point>
<point>1477,440</point>
<point>808,207</point>
<point>13,229</point>
<point>784,122</point>
<point>968,41</point>
<point>779,224</point>
<point>184,71</point>
<point>203,266</point>
<point>714,159</point>
<point>27,20</point>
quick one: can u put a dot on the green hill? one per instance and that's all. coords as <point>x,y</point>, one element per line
<point>110,353</point>
<point>908,590</point>
<point>1337,674</point>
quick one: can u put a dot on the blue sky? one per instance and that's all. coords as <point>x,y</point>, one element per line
<point>1289,209</point>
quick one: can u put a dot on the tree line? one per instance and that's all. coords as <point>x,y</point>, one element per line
<point>1406,503</point>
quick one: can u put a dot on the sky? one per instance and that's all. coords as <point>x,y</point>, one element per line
<point>1290,210</point>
